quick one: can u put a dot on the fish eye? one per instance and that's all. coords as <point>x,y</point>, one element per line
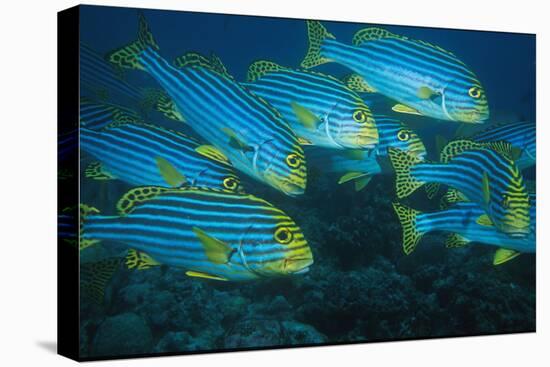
<point>283,235</point>
<point>474,92</point>
<point>293,160</point>
<point>230,183</point>
<point>360,116</point>
<point>403,135</point>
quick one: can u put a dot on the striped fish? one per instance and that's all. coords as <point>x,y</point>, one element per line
<point>211,234</point>
<point>100,80</point>
<point>484,172</point>
<point>360,166</point>
<point>99,115</point>
<point>251,133</point>
<point>460,220</point>
<point>522,135</point>
<point>145,154</point>
<point>320,108</point>
<point>423,78</point>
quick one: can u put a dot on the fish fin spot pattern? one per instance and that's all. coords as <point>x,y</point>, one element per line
<point>140,260</point>
<point>454,240</point>
<point>97,171</point>
<point>316,34</point>
<point>259,68</point>
<point>405,183</point>
<point>371,34</point>
<point>407,217</point>
<point>357,83</point>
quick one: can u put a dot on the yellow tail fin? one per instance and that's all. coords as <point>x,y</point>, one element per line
<point>411,236</point>
<point>316,33</point>
<point>405,183</point>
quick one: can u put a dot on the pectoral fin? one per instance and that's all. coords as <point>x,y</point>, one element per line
<point>401,108</point>
<point>213,153</point>
<point>199,274</point>
<point>217,251</point>
<point>426,93</point>
<point>350,176</point>
<point>235,142</point>
<point>503,255</point>
<point>305,116</point>
<point>304,141</point>
<point>170,173</point>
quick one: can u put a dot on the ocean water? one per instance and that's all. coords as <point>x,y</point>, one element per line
<point>361,286</point>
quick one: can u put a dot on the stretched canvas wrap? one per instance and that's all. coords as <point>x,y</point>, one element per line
<point>234,182</point>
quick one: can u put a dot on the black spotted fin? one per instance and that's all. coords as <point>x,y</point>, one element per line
<point>194,59</point>
<point>94,277</point>
<point>171,175</point>
<point>316,34</point>
<point>407,218</point>
<point>405,183</point>
<point>401,108</point>
<point>454,240</point>
<point>371,34</point>
<point>357,83</point>
<point>127,57</point>
<point>140,260</point>
<point>216,251</point>
<point>97,171</point>
<point>138,195</point>
<point>200,274</point>
<point>213,153</point>
<point>307,118</point>
<point>259,68</point>
<point>503,255</point>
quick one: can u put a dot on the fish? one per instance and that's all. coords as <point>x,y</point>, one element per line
<point>320,108</point>
<point>94,277</point>
<point>423,78</point>
<point>99,115</point>
<point>249,131</point>
<point>143,154</point>
<point>521,135</point>
<point>484,172</point>
<point>212,234</point>
<point>360,166</point>
<point>460,221</point>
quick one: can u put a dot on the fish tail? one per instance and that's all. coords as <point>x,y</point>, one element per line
<point>402,162</point>
<point>411,235</point>
<point>129,56</point>
<point>316,34</point>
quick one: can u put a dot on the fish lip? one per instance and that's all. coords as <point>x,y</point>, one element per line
<point>301,271</point>
<point>366,141</point>
<point>308,261</point>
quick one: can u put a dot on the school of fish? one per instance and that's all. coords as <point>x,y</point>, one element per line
<point>188,206</point>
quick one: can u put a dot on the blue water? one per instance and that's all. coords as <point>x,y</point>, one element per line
<point>361,287</point>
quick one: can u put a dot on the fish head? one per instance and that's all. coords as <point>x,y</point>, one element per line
<point>395,134</point>
<point>232,183</point>
<point>280,250</point>
<point>283,167</point>
<point>465,101</point>
<point>352,125</point>
<point>224,179</point>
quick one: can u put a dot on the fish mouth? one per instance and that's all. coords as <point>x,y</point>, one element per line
<point>298,265</point>
<point>366,141</point>
<point>292,189</point>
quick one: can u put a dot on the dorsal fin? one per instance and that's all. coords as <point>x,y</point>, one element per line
<point>504,148</point>
<point>370,34</point>
<point>194,59</point>
<point>456,147</point>
<point>357,83</point>
<point>138,195</point>
<point>438,48</point>
<point>262,67</point>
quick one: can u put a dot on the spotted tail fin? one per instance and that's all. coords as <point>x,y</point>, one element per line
<point>411,236</point>
<point>128,57</point>
<point>316,34</point>
<point>405,183</point>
